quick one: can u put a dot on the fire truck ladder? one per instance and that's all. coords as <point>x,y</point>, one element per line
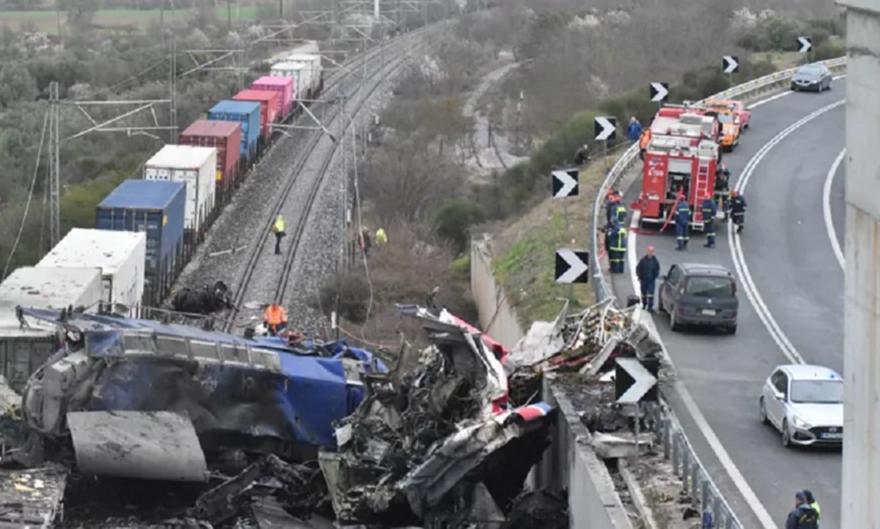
<point>701,189</point>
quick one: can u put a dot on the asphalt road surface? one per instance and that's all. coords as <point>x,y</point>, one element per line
<point>786,257</point>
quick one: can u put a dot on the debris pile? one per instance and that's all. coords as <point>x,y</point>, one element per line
<point>267,433</point>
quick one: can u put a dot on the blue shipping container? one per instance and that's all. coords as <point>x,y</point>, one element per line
<point>152,206</point>
<point>248,114</point>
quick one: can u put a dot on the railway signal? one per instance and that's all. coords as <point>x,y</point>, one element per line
<point>604,128</point>
<point>805,44</point>
<point>730,64</point>
<point>659,92</point>
<point>572,266</point>
<point>565,183</point>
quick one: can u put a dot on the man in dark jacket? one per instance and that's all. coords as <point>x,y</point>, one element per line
<point>709,211</point>
<point>633,130</point>
<point>802,516</point>
<point>648,270</point>
<point>738,210</point>
<point>682,224</point>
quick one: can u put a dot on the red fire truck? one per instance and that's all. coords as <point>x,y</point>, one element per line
<point>687,122</point>
<point>677,168</point>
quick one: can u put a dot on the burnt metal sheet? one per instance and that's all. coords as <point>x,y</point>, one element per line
<point>147,445</point>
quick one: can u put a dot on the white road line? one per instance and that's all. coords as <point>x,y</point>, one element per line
<point>733,239</point>
<point>739,481</point>
<point>826,210</point>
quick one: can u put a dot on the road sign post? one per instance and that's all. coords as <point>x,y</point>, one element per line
<point>572,266</point>
<point>730,65</point>
<point>805,46</point>
<point>658,92</point>
<point>604,130</point>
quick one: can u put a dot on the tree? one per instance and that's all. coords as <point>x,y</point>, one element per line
<point>79,12</point>
<point>16,84</point>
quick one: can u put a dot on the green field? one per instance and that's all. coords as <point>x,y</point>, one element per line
<point>48,21</point>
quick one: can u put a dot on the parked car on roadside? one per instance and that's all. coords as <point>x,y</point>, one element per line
<point>699,294</point>
<point>815,77</point>
<point>805,403</point>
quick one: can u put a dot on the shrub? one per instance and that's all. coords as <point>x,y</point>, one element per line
<point>354,297</point>
<point>455,218</point>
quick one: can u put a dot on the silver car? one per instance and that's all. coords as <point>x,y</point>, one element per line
<point>805,403</point>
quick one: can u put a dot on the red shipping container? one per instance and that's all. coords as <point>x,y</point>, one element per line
<point>270,106</point>
<point>284,86</point>
<point>226,137</point>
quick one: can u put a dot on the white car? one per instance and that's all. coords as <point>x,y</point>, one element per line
<point>805,403</point>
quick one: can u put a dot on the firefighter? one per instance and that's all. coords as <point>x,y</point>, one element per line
<point>709,212</point>
<point>275,318</point>
<point>648,270</point>
<point>722,186</point>
<point>617,253</point>
<point>620,214</point>
<point>611,203</point>
<point>644,140</point>
<point>278,230</point>
<point>737,208</point>
<point>682,224</point>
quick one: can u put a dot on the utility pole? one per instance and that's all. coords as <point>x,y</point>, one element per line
<point>861,345</point>
<point>54,164</point>
<point>172,87</point>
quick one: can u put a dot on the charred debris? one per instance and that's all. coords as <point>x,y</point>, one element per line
<point>223,431</point>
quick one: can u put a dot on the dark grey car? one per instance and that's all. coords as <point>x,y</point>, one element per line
<point>699,294</point>
<point>816,77</point>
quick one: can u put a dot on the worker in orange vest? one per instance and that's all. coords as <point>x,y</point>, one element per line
<point>644,140</point>
<point>275,318</point>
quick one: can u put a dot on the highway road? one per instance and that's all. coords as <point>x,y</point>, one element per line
<point>791,306</point>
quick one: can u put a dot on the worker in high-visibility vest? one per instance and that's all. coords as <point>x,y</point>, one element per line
<point>278,230</point>
<point>381,236</point>
<point>275,318</point>
<point>617,248</point>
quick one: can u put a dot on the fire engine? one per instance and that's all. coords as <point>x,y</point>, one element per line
<point>685,121</point>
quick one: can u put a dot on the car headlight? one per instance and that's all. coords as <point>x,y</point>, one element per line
<point>800,423</point>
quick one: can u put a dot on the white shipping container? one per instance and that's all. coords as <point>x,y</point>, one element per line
<point>50,288</point>
<point>119,254</point>
<point>308,46</point>
<point>313,62</point>
<point>298,71</point>
<point>196,166</point>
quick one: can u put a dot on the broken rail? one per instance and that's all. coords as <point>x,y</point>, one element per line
<point>676,446</point>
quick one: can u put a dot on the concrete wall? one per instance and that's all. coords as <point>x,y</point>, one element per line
<point>497,318</point>
<point>861,444</point>
<point>572,464</point>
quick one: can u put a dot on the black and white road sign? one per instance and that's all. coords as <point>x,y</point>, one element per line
<point>730,63</point>
<point>659,92</point>
<point>805,44</point>
<point>604,128</point>
<point>565,183</point>
<point>631,380</point>
<point>572,266</point>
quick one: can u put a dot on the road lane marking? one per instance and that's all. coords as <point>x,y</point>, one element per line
<point>733,239</point>
<point>826,210</point>
<point>739,481</point>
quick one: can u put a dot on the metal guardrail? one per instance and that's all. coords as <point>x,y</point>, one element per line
<point>670,434</point>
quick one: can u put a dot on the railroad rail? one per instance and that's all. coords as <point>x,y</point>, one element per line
<point>335,85</point>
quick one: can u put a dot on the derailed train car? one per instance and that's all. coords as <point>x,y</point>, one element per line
<point>192,395</point>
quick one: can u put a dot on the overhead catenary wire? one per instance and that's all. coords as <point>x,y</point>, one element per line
<point>27,205</point>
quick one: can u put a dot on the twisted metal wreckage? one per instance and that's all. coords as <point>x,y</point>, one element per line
<point>432,441</point>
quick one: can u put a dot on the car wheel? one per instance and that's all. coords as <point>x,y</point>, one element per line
<point>673,324</point>
<point>762,409</point>
<point>829,86</point>
<point>731,329</point>
<point>786,436</point>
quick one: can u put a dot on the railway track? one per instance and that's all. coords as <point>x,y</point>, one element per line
<point>299,175</point>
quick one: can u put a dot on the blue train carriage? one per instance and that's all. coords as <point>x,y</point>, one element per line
<point>157,208</point>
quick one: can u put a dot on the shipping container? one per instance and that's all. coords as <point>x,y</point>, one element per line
<point>315,71</point>
<point>307,46</point>
<point>24,349</point>
<point>195,166</point>
<point>246,113</point>
<point>286,90</point>
<point>120,255</point>
<point>270,107</point>
<point>299,72</point>
<point>225,136</point>
<point>156,208</point>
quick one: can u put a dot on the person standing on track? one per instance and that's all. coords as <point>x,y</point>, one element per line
<point>275,318</point>
<point>709,211</point>
<point>738,210</point>
<point>278,230</point>
<point>682,224</point>
<point>648,270</point>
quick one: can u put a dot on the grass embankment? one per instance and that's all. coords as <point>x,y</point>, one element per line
<point>48,21</point>
<point>525,250</point>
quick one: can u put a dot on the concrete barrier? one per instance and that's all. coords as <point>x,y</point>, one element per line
<point>497,318</point>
